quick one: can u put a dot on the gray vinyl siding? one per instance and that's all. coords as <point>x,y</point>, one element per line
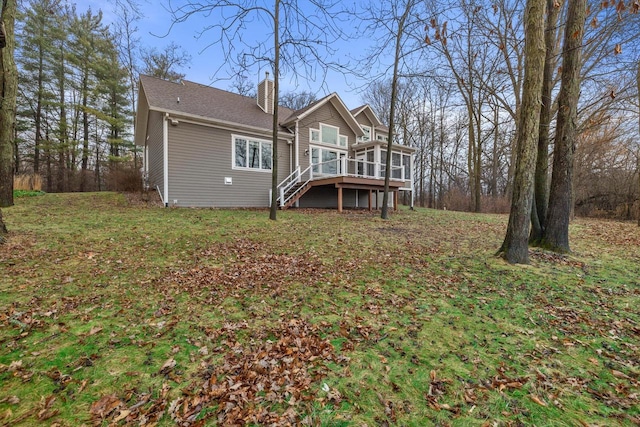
<point>156,154</point>
<point>327,114</point>
<point>364,120</point>
<point>327,198</point>
<point>200,158</point>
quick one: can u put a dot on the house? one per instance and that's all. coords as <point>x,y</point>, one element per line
<point>206,147</point>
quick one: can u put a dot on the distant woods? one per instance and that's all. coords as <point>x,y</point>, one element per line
<point>76,97</point>
<point>460,99</point>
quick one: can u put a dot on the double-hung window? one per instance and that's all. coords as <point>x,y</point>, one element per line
<point>251,153</point>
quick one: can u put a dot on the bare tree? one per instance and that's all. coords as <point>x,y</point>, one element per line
<point>399,33</point>
<point>392,25</point>
<point>128,42</point>
<point>515,248</point>
<point>638,169</point>
<point>297,100</point>
<point>378,96</point>
<point>166,63</point>
<point>242,84</point>
<point>298,40</point>
<point>474,69</point>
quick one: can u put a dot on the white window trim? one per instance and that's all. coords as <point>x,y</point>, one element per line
<point>249,138</point>
<point>361,138</point>
<point>311,130</point>
<point>328,144</point>
<point>328,147</point>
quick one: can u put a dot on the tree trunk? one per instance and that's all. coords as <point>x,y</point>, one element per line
<point>62,126</point>
<point>471,156</point>
<point>477,163</point>
<point>539,215</point>
<point>3,230</point>
<point>8,94</point>
<point>556,232</point>
<point>276,86</point>
<point>85,134</point>
<point>16,153</point>
<point>38,115</point>
<point>638,83</point>
<point>493,190</point>
<point>515,246</point>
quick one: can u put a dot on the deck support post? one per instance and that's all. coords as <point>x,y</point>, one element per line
<point>370,197</point>
<point>339,199</point>
<point>395,200</point>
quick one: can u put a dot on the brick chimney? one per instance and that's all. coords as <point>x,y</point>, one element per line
<point>265,94</point>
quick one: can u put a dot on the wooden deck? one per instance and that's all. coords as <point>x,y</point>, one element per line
<point>357,183</point>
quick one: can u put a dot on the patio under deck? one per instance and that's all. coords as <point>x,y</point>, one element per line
<point>358,183</point>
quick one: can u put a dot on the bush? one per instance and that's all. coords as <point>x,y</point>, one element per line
<point>125,178</point>
<point>27,193</point>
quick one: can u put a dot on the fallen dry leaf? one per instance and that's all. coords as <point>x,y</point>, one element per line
<point>168,366</point>
<point>620,375</point>
<point>105,406</point>
<point>537,400</point>
<point>94,330</point>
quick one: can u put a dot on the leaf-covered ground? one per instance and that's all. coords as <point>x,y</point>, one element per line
<point>119,313</point>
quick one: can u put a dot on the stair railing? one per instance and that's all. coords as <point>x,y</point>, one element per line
<point>289,182</point>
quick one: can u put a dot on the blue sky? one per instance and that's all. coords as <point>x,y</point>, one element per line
<point>207,65</point>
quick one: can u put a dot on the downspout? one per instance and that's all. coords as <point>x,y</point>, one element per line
<point>413,181</point>
<point>146,157</point>
<point>297,143</point>
<point>165,159</point>
<point>145,165</point>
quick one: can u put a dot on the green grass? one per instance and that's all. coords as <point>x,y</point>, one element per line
<point>27,193</point>
<point>426,325</point>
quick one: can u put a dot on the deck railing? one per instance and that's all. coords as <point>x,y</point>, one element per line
<point>298,179</point>
<point>356,168</point>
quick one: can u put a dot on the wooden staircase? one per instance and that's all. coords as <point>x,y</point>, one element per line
<point>294,193</point>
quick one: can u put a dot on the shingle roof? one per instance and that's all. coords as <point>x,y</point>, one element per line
<point>207,102</point>
<point>295,114</point>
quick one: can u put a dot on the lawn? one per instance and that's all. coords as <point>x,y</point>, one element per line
<point>119,313</point>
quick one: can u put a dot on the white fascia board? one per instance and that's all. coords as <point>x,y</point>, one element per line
<point>220,124</point>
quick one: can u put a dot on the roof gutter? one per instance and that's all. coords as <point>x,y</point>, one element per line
<point>222,124</point>
<point>297,139</point>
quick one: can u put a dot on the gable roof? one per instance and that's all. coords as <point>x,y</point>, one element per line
<point>204,102</point>
<point>335,100</point>
<point>367,111</point>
